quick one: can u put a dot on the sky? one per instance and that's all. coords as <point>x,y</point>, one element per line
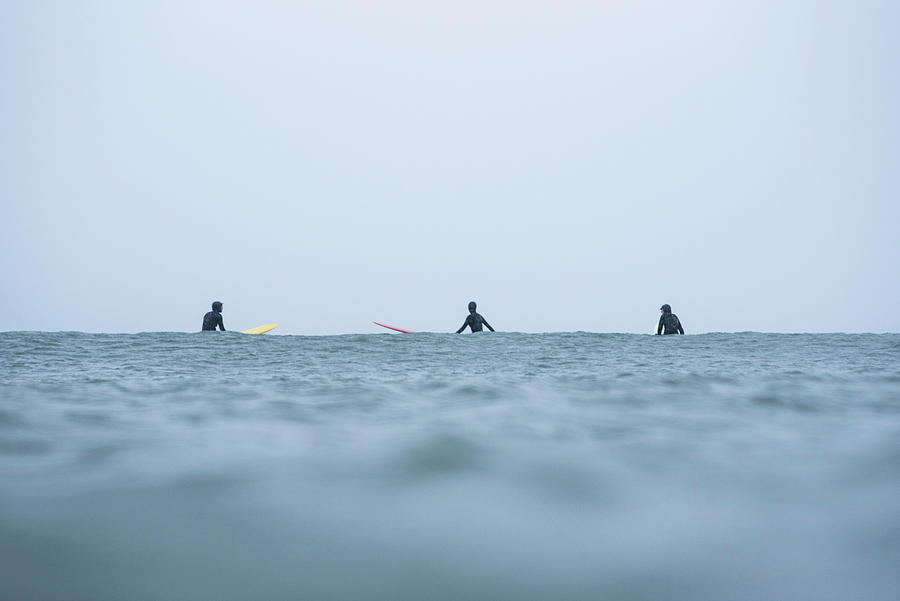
<point>568,165</point>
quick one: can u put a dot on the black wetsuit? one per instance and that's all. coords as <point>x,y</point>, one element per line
<point>475,321</point>
<point>670,323</point>
<point>211,320</point>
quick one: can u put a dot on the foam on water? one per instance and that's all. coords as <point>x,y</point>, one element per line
<point>502,466</point>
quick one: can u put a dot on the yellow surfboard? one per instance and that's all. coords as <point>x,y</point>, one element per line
<point>261,329</point>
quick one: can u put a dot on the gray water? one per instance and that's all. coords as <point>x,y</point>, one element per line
<point>222,466</point>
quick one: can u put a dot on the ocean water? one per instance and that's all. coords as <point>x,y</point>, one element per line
<point>222,466</point>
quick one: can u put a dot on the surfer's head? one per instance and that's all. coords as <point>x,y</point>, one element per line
<point>472,306</point>
<point>666,309</point>
<point>217,306</point>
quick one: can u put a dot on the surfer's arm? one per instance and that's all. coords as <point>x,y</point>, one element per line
<point>221,323</point>
<point>486,324</point>
<point>462,327</point>
<point>680,329</point>
<point>659,328</point>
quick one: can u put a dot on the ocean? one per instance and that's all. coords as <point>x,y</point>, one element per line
<point>222,466</point>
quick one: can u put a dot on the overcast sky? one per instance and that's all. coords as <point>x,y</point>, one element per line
<point>568,165</point>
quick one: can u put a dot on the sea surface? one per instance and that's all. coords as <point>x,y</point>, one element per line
<point>222,466</point>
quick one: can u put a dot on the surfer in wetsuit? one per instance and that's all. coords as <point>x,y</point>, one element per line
<point>668,322</point>
<point>214,318</point>
<point>474,320</point>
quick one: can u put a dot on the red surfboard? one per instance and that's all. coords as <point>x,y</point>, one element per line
<point>393,328</point>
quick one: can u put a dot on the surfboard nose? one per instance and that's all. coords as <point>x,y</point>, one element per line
<point>261,329</point>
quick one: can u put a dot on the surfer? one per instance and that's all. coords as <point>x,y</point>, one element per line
<point>214,318</point>
<point>668,322</point>
<point>474,320</point>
